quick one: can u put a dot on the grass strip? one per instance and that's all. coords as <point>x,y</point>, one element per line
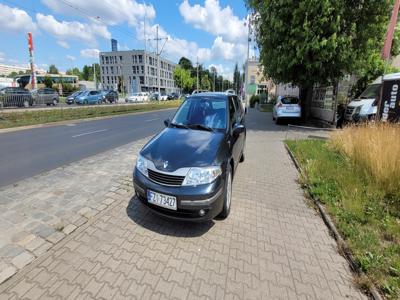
<point>364,213</point>
<point>33,117</point>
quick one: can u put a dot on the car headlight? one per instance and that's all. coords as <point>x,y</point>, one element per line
<point>197,176</point>
<point>141,165</point>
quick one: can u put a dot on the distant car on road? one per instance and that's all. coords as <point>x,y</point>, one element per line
<point>230,92</point>
<point>110,96</point>
<point>173,96</point>
<point>186,171</point>
<point>15,96</point>
<point>137,97</point>
<point>286,107</point>
<point>45,96</point>
<point>71,98</point>
<point>89,97</point>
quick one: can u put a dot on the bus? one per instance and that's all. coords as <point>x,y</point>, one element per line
<point>25,81</point>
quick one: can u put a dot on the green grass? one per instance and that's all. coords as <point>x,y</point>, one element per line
<point>33,117</point>
<point>366,216</point>
<point>266,107</point>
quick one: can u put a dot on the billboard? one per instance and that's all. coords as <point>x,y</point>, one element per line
<point>114,45</point>
<point>390,101</point>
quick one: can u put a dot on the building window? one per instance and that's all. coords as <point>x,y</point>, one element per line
<point>106,59</point>
<point>140,59</point>
<point>141,79</point>
<point>120,59</point>
<point>142,69</point>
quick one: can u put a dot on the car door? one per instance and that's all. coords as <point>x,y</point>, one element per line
<point>92,96</point>
<point>234,138</point>
<point>240,120</point>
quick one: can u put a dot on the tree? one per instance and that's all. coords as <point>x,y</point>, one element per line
<point>12,74</point>
<point>185,63</point>
<point>205,82</point>
<point>312,41</point>
<point>74,71</point>
<point>48,82</point>
<point>236,79</point>
<point>183,79</point>
<point>86,71</point>
<point>214,75</point>
<point>52,69</point>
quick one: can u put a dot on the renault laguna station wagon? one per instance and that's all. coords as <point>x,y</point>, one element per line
<point>186,171</point>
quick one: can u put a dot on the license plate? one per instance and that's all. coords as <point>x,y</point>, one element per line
<point>289,108</point>
<point>162,200</point>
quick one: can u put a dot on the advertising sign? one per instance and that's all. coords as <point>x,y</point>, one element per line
<point>390,101</point>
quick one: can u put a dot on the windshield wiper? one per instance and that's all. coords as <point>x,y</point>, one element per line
<point>200,126</point>
<point>179,125</point>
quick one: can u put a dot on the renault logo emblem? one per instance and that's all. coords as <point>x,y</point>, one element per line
<point>165,165</point>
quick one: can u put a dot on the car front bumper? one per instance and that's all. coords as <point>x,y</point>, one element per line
<point>190,199</point>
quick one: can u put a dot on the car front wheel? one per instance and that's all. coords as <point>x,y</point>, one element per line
<point>227,195</point>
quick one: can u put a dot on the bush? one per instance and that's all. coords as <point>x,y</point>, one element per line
<point>263,98</point>
<point>254,99</point>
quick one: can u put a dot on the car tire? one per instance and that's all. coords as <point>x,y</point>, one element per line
<point>226,209</point>
<point>277,122</point>
<point>26,103</point>
<point>55,102</point>
<point>48,104</point>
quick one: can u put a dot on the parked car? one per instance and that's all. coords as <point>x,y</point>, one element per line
<point>138,97</point>
<point>110,96</point>
<point>199,91</point>
<point>365,107</point>
<point>286,107</point>
<point>45,96</point>
<point>172,96</point>
<point>89,97</point>
<point>186,171</point>
<point>71,98</point>
<point>15,96</point>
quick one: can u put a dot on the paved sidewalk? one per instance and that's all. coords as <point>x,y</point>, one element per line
<point>272,246</point>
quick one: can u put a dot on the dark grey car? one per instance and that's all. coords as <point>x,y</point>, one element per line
<point>46,96</point>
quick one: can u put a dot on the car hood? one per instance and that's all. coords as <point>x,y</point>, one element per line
<point>183,148</point>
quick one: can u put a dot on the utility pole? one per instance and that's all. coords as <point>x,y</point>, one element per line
<point>158,54</point>
<point>94,75</point>
<point>214,82</point>
<point>197,63</point>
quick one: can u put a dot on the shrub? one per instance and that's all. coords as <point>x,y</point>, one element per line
<point>375,149</point>
<point>254,99</point>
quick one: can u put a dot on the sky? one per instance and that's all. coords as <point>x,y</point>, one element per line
<point>70,33</point>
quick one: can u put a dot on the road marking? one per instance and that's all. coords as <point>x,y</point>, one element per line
<point>87,133</point>
<point>150,120</point>
<point>70,125</point>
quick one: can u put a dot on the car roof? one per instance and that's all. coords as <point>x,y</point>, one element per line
<point>210,94</point>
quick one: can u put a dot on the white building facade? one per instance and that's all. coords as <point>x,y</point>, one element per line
<point>136,71</point>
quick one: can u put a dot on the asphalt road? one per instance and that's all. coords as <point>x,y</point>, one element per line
<point>29,152</point>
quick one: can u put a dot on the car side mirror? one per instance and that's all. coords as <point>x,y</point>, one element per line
<point>238,129</point>
<point>167,122</point>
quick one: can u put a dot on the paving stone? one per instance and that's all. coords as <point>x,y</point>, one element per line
<point>35,243</point>
<point>69,228</point>
<point>55,237</point>
<point>7,272</point>
<point>11,250</point>
<point>22,260</point>
<point>43,230</point>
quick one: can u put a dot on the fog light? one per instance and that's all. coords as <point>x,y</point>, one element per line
<point>202,212</point>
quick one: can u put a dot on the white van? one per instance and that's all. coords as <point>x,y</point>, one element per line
<point>365,106</point>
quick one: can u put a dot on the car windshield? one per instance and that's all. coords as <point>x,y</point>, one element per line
<point>206,112</point>
<point>371,92</point>
<point>290,100</point>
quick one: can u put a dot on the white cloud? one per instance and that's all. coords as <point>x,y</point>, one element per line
<point>226,72</point>
<point>2,56</point>
<point>214,19</point>
<point>112,12</point>
<point>86,32</point>
<point>15,19</point>
<point>70,57</point>
<point>90,53</point>
<point>63,44</point>
<point>228,51</point>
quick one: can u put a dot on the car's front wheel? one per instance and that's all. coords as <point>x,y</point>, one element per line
<point>227,195</point>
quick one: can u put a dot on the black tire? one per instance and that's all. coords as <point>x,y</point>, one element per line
<point>55,102</point>
<point>242,157</point>
<point>277,122</point>
<point>226,209</point>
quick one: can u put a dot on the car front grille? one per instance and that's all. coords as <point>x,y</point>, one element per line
<point>165,178</point>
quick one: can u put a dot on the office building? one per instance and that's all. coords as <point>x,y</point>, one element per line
<point>136,71</point>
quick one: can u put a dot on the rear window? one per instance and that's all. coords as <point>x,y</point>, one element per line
<point>290,100</point>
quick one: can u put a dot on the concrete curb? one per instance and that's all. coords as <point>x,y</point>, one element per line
<point>332,228</point>
<point>58,123</point>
